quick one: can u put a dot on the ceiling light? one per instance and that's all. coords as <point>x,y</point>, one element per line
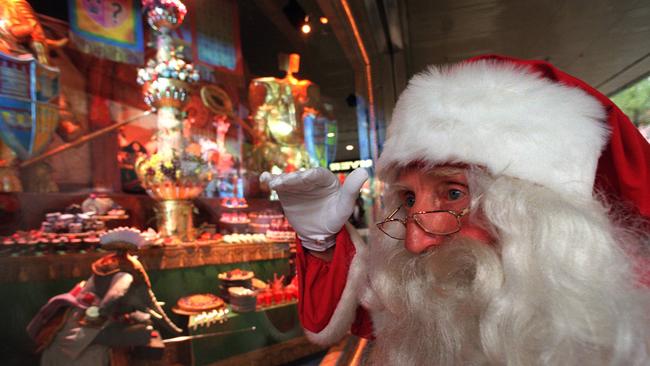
<point>306,27</point>
<point>324,20</point>
<point>349,148</point>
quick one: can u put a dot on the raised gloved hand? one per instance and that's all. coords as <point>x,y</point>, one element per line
<point>315,204</point>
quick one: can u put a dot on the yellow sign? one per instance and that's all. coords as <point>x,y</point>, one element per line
<point>350,165</point>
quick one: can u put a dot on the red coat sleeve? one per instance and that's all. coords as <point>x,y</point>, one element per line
<point>321,284</point>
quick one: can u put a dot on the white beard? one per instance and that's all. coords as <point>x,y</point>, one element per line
<point>428,307</point>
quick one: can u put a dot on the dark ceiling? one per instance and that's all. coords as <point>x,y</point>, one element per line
<point>604,42</point>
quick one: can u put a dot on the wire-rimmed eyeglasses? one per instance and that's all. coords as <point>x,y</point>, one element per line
<point>437,222</point>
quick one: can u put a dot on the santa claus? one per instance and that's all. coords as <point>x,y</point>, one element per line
<point>516,208</point>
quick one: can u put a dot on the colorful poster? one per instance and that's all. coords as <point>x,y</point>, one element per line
<point>110,29</point>
<point>216,35</point>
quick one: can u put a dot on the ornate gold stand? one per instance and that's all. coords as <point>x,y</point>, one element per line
<point>175,219</point>
<point>174,204</point>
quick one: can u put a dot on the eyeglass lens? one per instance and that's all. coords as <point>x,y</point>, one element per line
<point>440,223</point>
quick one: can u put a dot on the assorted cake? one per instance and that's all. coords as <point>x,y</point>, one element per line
<point>198,303</point>
<point>51,240</point>
<point>234,222</point>
<point>57,222</point>
<point>280,231</point>
<point>236,275</point>
<point>234,203</point>
<point>244,238</point>
<point>234,218</point>
<point>205,236</point>
<point>260,221</point>
<point>77,227</point>
<point>44,242</point>
<point>234,278</point>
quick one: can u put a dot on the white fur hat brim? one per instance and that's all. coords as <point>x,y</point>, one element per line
<point>502,116</point>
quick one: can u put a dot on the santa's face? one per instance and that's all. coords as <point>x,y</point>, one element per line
<point>445,188</point>
<point>428,292</point>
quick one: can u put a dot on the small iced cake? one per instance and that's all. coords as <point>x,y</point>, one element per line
<point>234,218</point>
<point>198,303</point>
<point>242,299</point>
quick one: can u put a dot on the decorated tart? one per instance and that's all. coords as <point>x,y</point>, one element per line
<point>236,275</point>
<point>199,302</point>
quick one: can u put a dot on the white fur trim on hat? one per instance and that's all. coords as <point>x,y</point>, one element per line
<point>501,116</point>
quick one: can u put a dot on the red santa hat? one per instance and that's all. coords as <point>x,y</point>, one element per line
<point>524,119</point>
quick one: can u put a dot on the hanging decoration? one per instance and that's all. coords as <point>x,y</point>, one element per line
<point>216,35</point>
<point>108,29</point>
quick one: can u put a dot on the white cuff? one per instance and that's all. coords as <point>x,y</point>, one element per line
<point>318,245</point>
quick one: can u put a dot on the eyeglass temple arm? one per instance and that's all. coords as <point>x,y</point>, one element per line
<point>389,217</point>
<point>394,212</point>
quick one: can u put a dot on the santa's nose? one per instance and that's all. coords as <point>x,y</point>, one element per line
<point>417,240</point>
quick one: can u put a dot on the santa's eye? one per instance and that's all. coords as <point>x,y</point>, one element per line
<point>409,199</point>
<point>455,194</point>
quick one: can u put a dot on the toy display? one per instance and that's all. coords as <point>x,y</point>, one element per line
<point>289,122</point>
<point>193,130</point>
<point>113,311</point>
<point>32,107</point>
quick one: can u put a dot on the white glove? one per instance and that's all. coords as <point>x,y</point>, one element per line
<point>315,204</point>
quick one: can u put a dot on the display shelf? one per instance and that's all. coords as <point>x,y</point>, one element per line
<point>273,342</point>
<point>140,209</point>
<point>31,274</point>
<point>169,284</point>
<point>33,265</point>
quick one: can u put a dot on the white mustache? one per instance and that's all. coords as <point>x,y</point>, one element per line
<point>406,280</point>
